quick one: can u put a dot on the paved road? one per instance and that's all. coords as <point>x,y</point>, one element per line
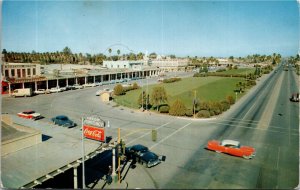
<point>264,119</point>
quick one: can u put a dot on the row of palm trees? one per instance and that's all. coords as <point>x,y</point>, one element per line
<point>66,56</point>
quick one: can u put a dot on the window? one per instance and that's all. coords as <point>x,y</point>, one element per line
<point>118,66</point>
<point>33,71</point>
<point>18,73</point>
<point>28,72</point>
<point>12,72</point>
<point>6,73</point>
<point>23,73</point>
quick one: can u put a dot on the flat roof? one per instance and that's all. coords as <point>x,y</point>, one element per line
<point>60,147</point>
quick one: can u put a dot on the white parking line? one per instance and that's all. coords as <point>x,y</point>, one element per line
<point>170,135</point>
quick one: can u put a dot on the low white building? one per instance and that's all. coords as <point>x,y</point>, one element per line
<point>135,65</point>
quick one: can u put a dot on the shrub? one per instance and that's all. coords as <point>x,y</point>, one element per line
<point>135,86</point>
<point>200,75</point>
<point>189,112</point>
<point>170,80</point>
<point>177,109</point>
<point>203,114</point>
<point>215,108</point>
<point>225,105</point>
<point>164,109</point>
<point>204,106</point>
<point>230,100</point>
<point>221,70</point>
<point>118,90</point>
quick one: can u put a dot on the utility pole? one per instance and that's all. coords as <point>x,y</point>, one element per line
<point>194,102</point>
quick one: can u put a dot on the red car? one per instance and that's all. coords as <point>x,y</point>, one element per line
<point>231,147</point>
<point>29,114</point>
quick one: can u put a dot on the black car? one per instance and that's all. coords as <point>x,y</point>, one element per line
<point>63,120</point>
<point>135,150</point>
<point>150,159</point>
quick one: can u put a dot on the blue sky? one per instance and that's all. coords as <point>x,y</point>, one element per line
<point>194,28</point>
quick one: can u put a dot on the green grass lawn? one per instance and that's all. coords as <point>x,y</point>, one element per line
<point>207,89</point>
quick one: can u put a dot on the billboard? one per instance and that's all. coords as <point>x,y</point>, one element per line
<point>94,133</point>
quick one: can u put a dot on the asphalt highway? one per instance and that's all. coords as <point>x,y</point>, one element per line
<point>264,119</point>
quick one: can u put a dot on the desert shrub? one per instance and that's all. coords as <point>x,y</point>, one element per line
<point>135,86</point>
<point>200,75</point>
<point>177,109</point>
<point>164,109</point>
<point>230,99</point>
<point>203,114</point>
<point>225,105</point>
<point>215,108</point>
<point>170,80</point>
<point>204,106</point>
<point>189,112</point>
<point>118,90</point>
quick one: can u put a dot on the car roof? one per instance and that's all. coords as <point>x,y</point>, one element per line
<point>139,147</point>
<point>231,142</point>
<point>28,111</point>
<point>61,116</point>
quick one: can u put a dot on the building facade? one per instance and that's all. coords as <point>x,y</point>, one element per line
<point>135,65</point>
<point>20,70</point>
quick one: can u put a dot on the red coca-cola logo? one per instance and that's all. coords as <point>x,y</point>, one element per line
<point>93,133</point>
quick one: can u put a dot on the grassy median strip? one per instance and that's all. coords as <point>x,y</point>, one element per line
<point>207,89</point>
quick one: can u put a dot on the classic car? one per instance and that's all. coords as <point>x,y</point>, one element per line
<point>30,114</point>
<point>231,147</point>
<point>63,120</point>
<point>150,159</point>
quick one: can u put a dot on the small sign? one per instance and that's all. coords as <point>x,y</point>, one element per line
<point>94,133</point>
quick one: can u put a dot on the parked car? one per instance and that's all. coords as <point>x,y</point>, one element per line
<point>150,159</point>
<point>105,82</point>
<point>231,147</point>
<point>136,150</point>
<point>30,114</point>
<point>98,83</point>
<point>55,90</point>
<point>22,92</point>
<point>89,85</point>
<point>63,120</point>
<point>70,87</point>
<point>102,90</point>
<point>77,86</point>
<point>63,88</point>
<point>42,91</point>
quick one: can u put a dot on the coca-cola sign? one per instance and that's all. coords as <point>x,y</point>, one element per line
<point>95,133</point>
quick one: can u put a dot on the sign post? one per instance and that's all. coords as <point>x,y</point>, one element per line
<point>92,127</point>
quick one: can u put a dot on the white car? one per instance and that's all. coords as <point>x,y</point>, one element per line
<point>77,86</point>
<point>89,85</point>
<point>41,91</point>
<point>63,88</point>
<point>55,89</point>
<point>98,83</point>
<point>101,90</point>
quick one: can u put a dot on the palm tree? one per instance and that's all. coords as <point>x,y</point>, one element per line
<point>118,52</point>
<point>109,51</point>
